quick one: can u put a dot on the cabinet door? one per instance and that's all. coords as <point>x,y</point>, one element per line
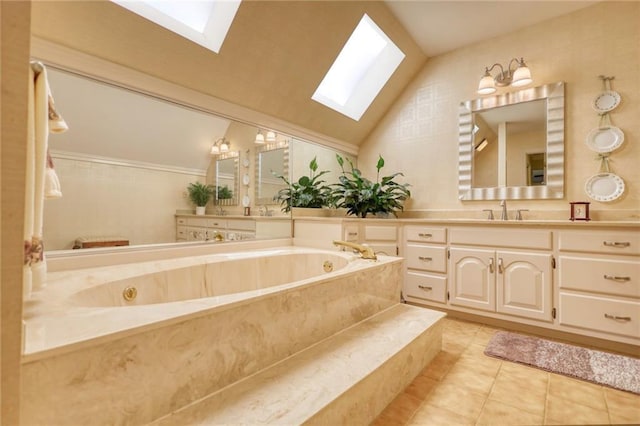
<point>523,284</point>
<point>473,278</point>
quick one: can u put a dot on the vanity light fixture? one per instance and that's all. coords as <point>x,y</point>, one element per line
<point>518,77</point>
<point>259,138</point>
<point>221,145</point>
<point>271,136</point>
<point>482,145</point>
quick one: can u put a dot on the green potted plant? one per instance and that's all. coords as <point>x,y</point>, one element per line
<point>308,191</point>
<point>200,194</point>
<point>224,193</point>
<point>361,196</point>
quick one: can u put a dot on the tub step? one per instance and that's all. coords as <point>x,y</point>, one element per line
<point>349,377</point>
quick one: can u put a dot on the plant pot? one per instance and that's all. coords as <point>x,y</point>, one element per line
<point>200,210</point>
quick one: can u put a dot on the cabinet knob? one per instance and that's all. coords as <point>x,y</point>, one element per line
<point>491,265</point>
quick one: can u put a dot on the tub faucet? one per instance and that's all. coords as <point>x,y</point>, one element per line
<point>365,251</point>
<point>504,215</point>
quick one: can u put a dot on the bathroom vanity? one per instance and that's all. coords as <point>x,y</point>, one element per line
<point>581,278</point>
<point>191,227</point>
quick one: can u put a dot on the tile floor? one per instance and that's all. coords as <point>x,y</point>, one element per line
<point>462,386</point>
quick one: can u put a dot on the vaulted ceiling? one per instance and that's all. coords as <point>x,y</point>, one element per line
<point>277,52</point>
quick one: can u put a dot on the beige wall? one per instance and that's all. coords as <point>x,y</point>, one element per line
<point>275,54</point>
<point>14,61</point>
<point>419,136</point>
<point>108,200</point>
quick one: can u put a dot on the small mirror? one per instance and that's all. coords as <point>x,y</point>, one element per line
<point>271,159</point>
<point>512,146</point>
<point>226,179</point>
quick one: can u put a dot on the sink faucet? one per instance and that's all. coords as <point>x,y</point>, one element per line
<point>267,211</point>
<point>365,251</point>
<point>220,211</point>
<point>504,215</point>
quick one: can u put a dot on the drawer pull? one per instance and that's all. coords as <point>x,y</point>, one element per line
<point>500,266</point>
<point>426,259</point>
<point>616,278</point>
<point>425,235</point>
<point>491,265</point>
<point>617,318</point>
<point>424,287</point>
<point>616,244</point>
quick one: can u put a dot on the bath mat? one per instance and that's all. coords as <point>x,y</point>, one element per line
<point>616,371</point>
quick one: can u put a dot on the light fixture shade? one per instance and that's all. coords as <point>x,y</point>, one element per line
<point>259,139</point>
<point>214,150</point>
<point>224,147</point>
<point>521,76</point>
<point>271,136</point>
<point>487,85</point>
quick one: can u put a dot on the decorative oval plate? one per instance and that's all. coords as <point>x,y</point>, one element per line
<point>246,201</point>
<point>604,187</point>
<point>606,101</point>
<point>245,179</point>
<point>605,139</point>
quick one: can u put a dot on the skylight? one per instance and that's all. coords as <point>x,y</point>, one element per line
<point>363,67</point>
<point>205,22</point>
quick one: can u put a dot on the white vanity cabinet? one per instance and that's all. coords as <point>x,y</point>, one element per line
<point>511,272</point>
<point>191,228</point>
<point>599,281</point>
<point>425,254</point>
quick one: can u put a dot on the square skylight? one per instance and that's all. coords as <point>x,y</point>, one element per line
<point>363,67</point>
<point>205,22</point>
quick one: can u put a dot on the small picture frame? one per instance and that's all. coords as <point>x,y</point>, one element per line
<point>580,210</point>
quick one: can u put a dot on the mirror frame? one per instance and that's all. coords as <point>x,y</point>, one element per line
<point>285,167</point>
<point>233,201</point>
<point>554,188</point>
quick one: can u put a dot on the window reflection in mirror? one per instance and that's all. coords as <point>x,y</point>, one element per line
<point>226,179</point>
<point>511,146</point>
<point>271,160</point>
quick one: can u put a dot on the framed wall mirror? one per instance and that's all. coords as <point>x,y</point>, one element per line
<point>227,172</point>
<point>271,159</point>
<point>511,146</point>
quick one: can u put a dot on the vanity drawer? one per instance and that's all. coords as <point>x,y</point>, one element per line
<point>216,223</point>
<point>181,221</point>
<point>425,286</point>
<point>380,233</point>
<point>611,276</point>
<point>517,238</point>
<point>351,233</point>
<point>425,234</point>
<point>601,241</point>
<point>241,224</point>
<point>197,221</point>
<point>181,233</point>
<point>600,314</point>
<point>426,258</point>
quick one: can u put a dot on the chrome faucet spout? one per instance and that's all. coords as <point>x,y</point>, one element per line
<point>504,215</point>
<point>366,252</point>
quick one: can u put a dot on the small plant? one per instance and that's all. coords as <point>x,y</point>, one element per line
<point>360,196</point>
<point>199,193</point>
<point>309,191</point>
<point>224,193</point>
